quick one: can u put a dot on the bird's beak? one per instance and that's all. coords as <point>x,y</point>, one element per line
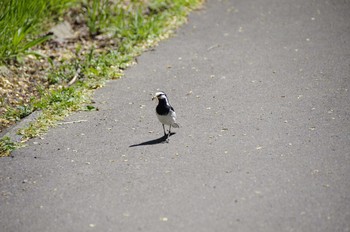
<point>154,97</point>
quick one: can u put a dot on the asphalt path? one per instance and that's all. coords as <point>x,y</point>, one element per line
<point>261,91</point>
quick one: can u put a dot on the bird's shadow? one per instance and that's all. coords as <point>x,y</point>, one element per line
<point>162,139</point>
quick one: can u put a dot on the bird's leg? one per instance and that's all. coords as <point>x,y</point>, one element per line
<point>164,130</point>
<point>169,133</point>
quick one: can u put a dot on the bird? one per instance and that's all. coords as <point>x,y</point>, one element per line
<point>165,113</point>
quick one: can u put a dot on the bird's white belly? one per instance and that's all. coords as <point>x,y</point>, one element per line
<point>167,119</point>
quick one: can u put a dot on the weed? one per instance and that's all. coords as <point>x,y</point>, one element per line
<point>55,105</point>
<point>6,146</point>
<point>19,21</point>
<point>98,13</point>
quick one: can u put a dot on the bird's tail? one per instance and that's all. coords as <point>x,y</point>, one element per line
<point>175,125</point>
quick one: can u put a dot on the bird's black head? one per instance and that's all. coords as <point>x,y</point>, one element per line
<point>160,95</point>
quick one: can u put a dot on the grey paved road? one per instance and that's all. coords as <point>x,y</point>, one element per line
<point>261,89</point>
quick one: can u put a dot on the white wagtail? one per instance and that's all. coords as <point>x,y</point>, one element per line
<point>165,112</point>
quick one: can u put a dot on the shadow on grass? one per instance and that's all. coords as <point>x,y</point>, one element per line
<point>154,141</point>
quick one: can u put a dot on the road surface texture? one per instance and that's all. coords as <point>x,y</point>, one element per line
<point>261,91</point>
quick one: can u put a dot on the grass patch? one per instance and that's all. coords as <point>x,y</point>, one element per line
<point>6,146</point>
<point>112,34</point>
<point>20,24</point>
<point>55,105</point>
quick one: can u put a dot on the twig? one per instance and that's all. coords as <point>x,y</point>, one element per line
<point>71,122</point>
<point>214,46</point>
<point>75,77</point>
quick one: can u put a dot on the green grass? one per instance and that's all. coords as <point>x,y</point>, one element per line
<point>135,26</point>
<point>98,14</point>
<point>55,105</point>
<point>20,22</point>
<point>6,146</point>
